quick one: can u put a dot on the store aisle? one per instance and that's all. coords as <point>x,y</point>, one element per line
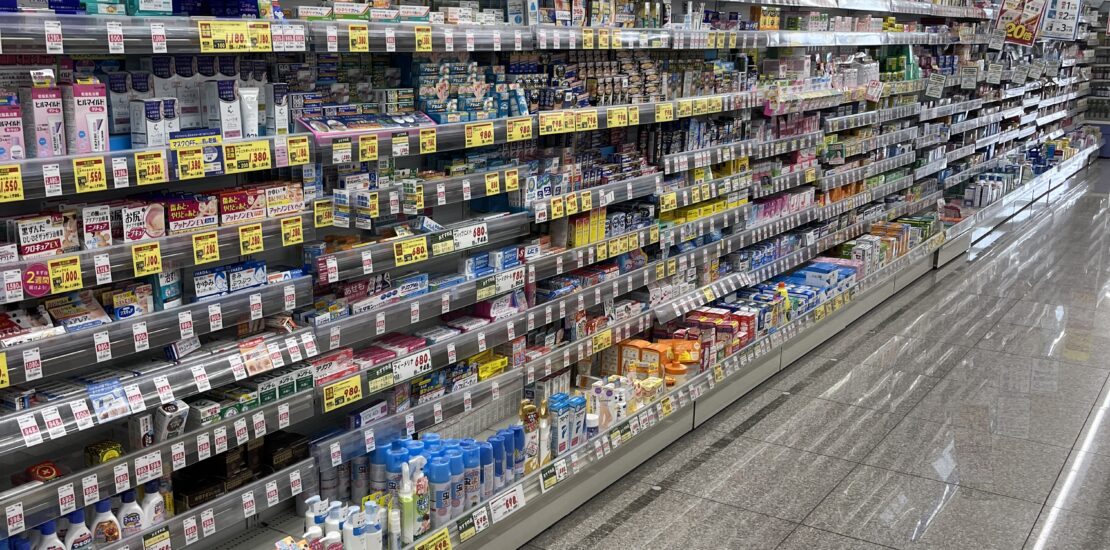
<point>969,411</point>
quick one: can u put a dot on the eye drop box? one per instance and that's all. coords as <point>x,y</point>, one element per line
<point>11,133</point>
<point>221,108</point>
<point>147,128</point>
<point>86,117</point>
<point>161,69</point>
<point>43,122</point>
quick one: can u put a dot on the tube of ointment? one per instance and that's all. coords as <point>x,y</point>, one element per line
<point>408,507</point>
<point>248,106</point>
<point>395,529</point>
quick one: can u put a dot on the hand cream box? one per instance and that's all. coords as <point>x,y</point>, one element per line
<point>86,117</point>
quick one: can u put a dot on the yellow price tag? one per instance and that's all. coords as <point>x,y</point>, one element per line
<point>667,406</point>
<point>358,37</point>
<point>190,163</point>
<point>248,156</point>
<point>297,148</point>
<point>372,204</point>
<point>223,36</point>
<point>343,392</point>
<point>685,108</point>
<point>603,340</point>
<point>493,184</point>
<point>89,174</point>
<point>708,293</point>
<point>718,373</point>
<point>427,140</point>
<point>586,120</point>
<point>551,122</point>
<point>518,129</point>
<point>602,251</point>
<point>695,194</point>
<point>292,231</point>
<point>732,40</point>
<point>512,180</point>
<point>811,175</point>
<point>603,39</point>
<point>418,196</point>
<point>480,134</point>
<point>6,380</point>
<point>206,248</point>
<point>150,167</point>
<point>700,107</point>
<point>368,147</point>
<point>556,207</point>
<point>587,199</point>
<point>569,121</point>
<point>664,112</point>
<point>423,38</point>
<point>668,202</point>
<point>570,204</point>
<point>660,272</point>
<point>323,213</point>
<point>616,42</point>
<point>633,116</point>
<point>65,274</point>
<point>11,183</point>
<point>653,234</point>
<point>672,267</point>
<point>410,251</point>
<point>705,191</point>
<point>250,239</point>
<point>716,104</point>
<point>616,117</point>
<point>440,540</point>
<point>260,36</point>
<point>146,259</point>
<point>587,39</point>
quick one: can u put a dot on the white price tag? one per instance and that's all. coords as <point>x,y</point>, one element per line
<point>295,482</point>
<point>248,504</point>
<point>200,377</point>
<point>53,421</point>
<point>451,357</point>
<point>469,40</point>
<point>148,467</point>
<point>189,526</point>
<point>333,46</point>
<point>467,402</point>
<point>390,40</point>
<point>121,477</point>
<point>204,447</point>
<point>115,37</point>
<point>283,416</point>
<point>237,369</point>
<point>16,521</point>
<point>256,306</point>
<point>293,349</point>
<point>481,342</point>
<point>495,391</point>
<point>367,262</point>
<point>52,179</point>
<point>135,398</point>
<point>259,422</point>
<point>215,318</point>
<point>368,439</point>
<point>165,391</point>
<point>219,435</point>
<point>158,37</point>
<point>32,364</point>
<point>241,434</point>
<point>272,494</point>
<point>185,324</point>
<point>90,489</point>
<point>437,412</point>
<point>276,358</point>
<point>177,456</point>
<point>414,312</point>
<point>290,294</point>
<point>309,344</point>
<point>410,424</point>
<point>67,499</point>
<point>501,506</point>
<point>379,323</point>
<point>208,522</point>
<point>448,40</point>
<point>103,346</point>
<point>53,36</point>
<point>81,414</point>
<point>336,454</point>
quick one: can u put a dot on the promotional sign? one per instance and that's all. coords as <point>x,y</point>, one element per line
<point>1060,19</point>
<point>1021,19</point>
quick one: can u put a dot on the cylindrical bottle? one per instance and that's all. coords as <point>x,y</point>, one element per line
<point>472,475</point>
<point>333,541</point>
<point>458,486</point>
<point>19,543</point>
<point>106,528</point>
<point>130,513</point>
<point>498,444</point>
<point>395,529</point>
<point>414,447</point>
<point>394,458</point>
<point>486,457</point>
<point>378,480</point>
<point>432,442</point>
<point>314,537</point>
<point>49,539</point>
<point>591,425</point>
<point>154,506</point>
<point>78,536</point>
<point>439,475</point>
<point>518,451</point>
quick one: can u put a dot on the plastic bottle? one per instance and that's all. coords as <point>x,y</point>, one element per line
<point>394,457</point>
<point>545,434</point>
<point>314,536</point>
<point>377,470</point>
<point>414,447</point>
<point>106,528</point>
<point>49,537</point>
<point>19,543</point>
<point>458,486</point>
<point>130,514</point>
<point>472,475</point>
<point>154,506</point>
<point>510,448</point>
<point>334,519</point>
<point>591,425</point>
<point>353,525</point>
<point>372,531</point>
<point>485,455</point>
<point>421,496</point>
<point>439,476</point>
<point>432,442</point>
<point>395,529</point>
<point>530,426</point>
<point>518,451</point>
<point>407,516</point>
<point>78,537</point>
<point>333,541</point>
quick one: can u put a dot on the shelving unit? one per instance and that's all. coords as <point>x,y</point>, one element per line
<point>746,165</point>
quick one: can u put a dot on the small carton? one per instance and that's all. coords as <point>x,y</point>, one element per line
<point>221,107</point>
<point>43,122</point>
<point>96,227</point>
<point>86,117</point>
<point>147,127</point>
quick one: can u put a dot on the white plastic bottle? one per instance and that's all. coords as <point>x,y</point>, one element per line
<point>154,506</point>
<point>130,514</point>
<point>352,529</point>
<point>333,541</point>
<point>78,537</point>
<point>49,539</point>
<point>106,528</point>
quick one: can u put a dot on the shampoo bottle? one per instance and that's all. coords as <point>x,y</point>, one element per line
<point>130,513</point>
<point>106,528</point>
<point>154,506</point>
<point>78,537</point>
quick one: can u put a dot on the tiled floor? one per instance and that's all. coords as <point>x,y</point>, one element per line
<point>972,410</point>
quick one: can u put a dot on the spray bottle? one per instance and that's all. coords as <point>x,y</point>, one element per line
<point>395,529</point>
<point>372,533</point>
<point>422,521</point>
<point>408,507</point>
<point>545,434</point>
<point>498,444</point>
<point>472,475</point>
<point>458,487</point>
<point>530,425</point>
<point>439,475</point>
<point>520,442</point>
<point>485,450</point>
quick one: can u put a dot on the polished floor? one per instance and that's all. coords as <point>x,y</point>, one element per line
<point>971,410</point>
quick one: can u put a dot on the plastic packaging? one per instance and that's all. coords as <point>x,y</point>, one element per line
<point>130,513</point>
<point>78,536</point>
<point>154,506</point>
<point>106,528</point>
<point>49,537</point>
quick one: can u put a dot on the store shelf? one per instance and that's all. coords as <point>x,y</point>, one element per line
<point>831,181</point>
<point>752,148</point>
<point>784,182</point>
<point>76,350</point>
<point>950,109</point>
<point>597,197</point>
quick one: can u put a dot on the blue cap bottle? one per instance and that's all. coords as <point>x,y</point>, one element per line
<point>394,458</point>
<point>458,485</point>
<point>439,477</point>
<point>518,451</point>
<point>378,481</point>
<point>485,455</point>
<point>498,444</point>
<point>472,475</point>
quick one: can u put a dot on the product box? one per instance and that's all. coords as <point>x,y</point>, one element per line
<point>170,419</point>
<point>246,274</point>
<point>209,282</point>
<point>43,122</point>
<point>171,116</point>
<point>191,213</point>
<point>85,107</point>
<point>283,200</point>
<point>11,133</point>
<point>96,227</point>
<point>242,205</point>
<point>202,412</point>
<point>147,128</point>
<point>40,236</point>
<point>136,222</point>
<point>118,86</point>
<point>277,109</point>
<point>221,108</point>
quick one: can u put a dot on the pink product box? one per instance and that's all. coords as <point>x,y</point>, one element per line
<point>137,222</point>
<point>186,214</point>
<point>86,117</point>
<point>333,366</point>
<point>242,205</point>
<point>11,133</point>
<point>374,356</point>
<point>467,323</point>
<point>496,308</point>
<point>43,122</point>
<point>402,344</point>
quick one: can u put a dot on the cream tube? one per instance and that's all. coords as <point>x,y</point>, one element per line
<point>248,105</point>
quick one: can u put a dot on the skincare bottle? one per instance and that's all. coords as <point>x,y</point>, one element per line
<point>530,423</point>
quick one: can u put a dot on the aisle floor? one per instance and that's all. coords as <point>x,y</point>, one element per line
<point>971,410</point>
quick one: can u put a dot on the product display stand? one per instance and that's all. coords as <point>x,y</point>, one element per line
<point>253,258</point>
